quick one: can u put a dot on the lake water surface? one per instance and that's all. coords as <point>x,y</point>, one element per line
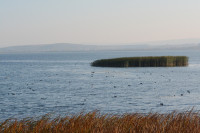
<point>65,83</point>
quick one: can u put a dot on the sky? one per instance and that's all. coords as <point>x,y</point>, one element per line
<point>27,22</point>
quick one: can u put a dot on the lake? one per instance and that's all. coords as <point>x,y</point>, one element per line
<point>64,83</point>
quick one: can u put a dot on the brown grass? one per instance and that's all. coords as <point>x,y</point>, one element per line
<point>94,122</point>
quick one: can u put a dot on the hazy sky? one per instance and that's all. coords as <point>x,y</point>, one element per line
<point>24,22</point>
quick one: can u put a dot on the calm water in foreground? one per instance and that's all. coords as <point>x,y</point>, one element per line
<point>65,83</point>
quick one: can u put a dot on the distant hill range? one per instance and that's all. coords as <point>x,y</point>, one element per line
<point>66,47</point>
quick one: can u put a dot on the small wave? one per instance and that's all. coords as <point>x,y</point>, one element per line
<point>194,65</point>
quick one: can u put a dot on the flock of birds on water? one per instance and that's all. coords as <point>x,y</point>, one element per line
<point>92,75</point>
<point>161,104</point>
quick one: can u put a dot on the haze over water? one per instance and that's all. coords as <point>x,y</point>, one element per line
<point>65,83</point>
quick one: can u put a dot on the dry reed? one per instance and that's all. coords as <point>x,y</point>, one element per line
<point>94,122</point>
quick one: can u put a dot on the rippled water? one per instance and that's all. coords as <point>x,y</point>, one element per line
<point>65,83</point>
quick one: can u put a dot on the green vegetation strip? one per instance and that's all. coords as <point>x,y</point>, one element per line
<point>157,61</point>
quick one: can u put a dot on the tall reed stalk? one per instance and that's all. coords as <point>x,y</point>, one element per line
<point>94,122</point>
